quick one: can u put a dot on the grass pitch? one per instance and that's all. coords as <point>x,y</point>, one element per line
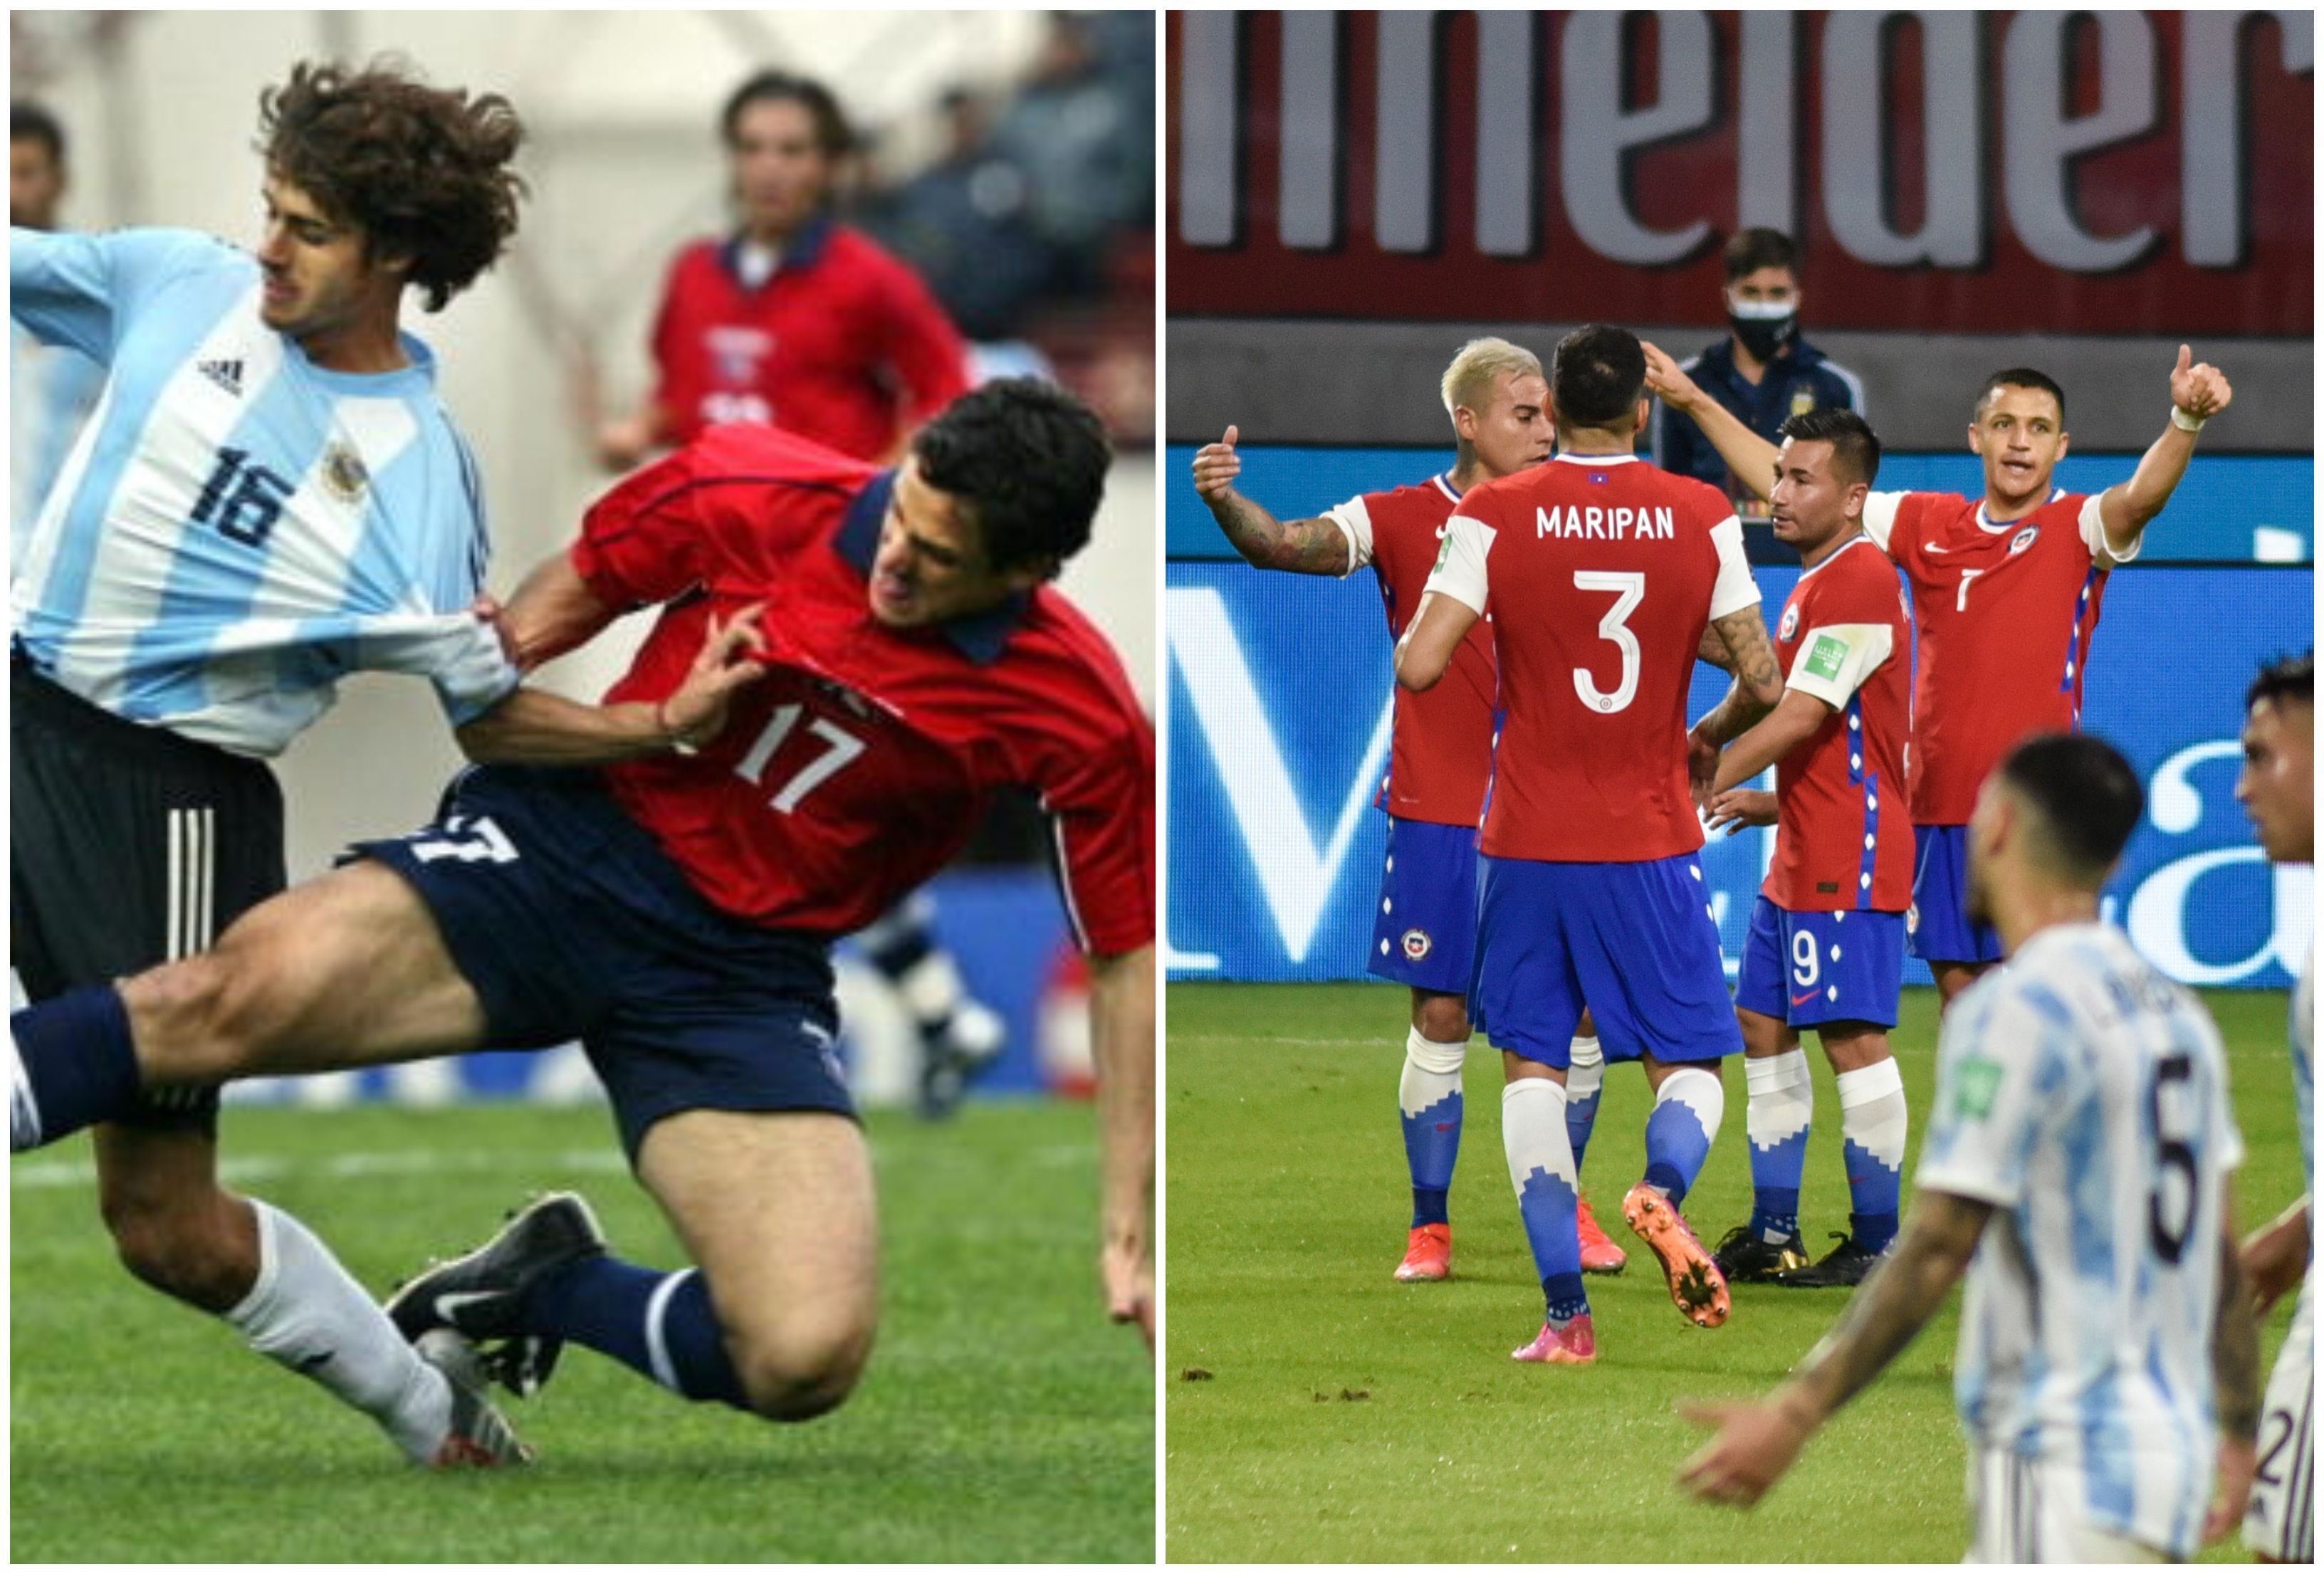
<point>1002,1417</point>
<point>1349,1418</point>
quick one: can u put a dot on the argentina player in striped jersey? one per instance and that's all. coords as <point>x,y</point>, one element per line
<point>2277,789</point>
<point>2076,1166</point>
<point>268,496</point>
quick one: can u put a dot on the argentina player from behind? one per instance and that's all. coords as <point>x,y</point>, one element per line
<point>268,496</point>
<point>2075,1167</point>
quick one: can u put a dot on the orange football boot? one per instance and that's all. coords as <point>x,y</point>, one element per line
<point>1696,1286</point>
<point>1600,1254</point>
<point>1428,1255</point>
<point>1574,1345</point>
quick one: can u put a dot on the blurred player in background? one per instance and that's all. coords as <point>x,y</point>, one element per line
<point>798,321</point>
<point>1442,756</point>
<point>2082,1134</point>
<point>2278,791</point>
<point>1826,947</point>
<point>1763,372</point>
<point>272,497</point>
<point>50,387</point>
<point>848,663</point>
<point>2005,590</point>
<point>1604,574</point>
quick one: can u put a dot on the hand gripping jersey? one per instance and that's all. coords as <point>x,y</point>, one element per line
<point>842,344</point>
<point>236,528</point>
<point>2006,613</point>
<point>1441,751</point>
<point>2084,1095</point>
<point>1602,573</point>
<point>863,759</point>
<point>1843,837</point>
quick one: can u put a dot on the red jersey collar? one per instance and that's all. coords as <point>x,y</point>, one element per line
<point>981,636</point>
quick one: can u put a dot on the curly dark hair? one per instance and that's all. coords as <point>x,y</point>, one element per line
<point>1028,459</point>
<point>423,170</point>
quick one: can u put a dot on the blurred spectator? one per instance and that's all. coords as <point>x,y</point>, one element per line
<point>794,319</point>
<point>1763,371</point>
<point>51,388</point>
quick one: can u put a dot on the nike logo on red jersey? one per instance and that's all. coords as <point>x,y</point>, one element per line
<point>1934,547</point>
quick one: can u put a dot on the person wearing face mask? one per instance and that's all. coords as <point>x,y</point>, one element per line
<point>1763,371</point>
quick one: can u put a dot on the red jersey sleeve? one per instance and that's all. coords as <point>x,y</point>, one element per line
<point>1102,804</point>
<point>921,344</point>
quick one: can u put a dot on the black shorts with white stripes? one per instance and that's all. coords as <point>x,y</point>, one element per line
<point>129,846</point>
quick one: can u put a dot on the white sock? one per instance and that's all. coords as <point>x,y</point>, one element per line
<point>1782,1097</point>
<point>1431,1072</point>
<point>1533,1131</point>
<point>1585,1070</point>
<point>1872,1112</point>
<point>307,1313</point>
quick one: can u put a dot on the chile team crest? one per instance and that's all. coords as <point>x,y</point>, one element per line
<point>1416,945</point>
<point>1791,623</point>
<point>2024,539</point>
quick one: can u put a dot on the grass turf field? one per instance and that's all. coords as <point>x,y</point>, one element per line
<point>1349,1418</point>
<point>1002,1417</point>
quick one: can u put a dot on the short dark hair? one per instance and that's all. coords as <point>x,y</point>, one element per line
<point>2287,677</point>
<point>1750,250</point>
<point>28,121</point>
<point>2087,796</point>
<point>2020,377</point>
<point>1855,445</point>
<point>1028,459</point>
<point>424,170</point>
<point>1598,375</point>
<point>831,133</point>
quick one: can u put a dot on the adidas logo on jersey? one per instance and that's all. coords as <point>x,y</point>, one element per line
<point>226,374</point>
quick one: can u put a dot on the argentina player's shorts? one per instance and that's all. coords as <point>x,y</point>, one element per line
<point>1634,943</point>
<point>1938,928</point>
<point>1425,932</point>
<point>570,922</point>
<point>2281,1523</point>
<point>1806,968</point>
<point>2036,1509</point>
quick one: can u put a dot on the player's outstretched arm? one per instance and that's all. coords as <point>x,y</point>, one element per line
<point>1757,689</point>
<point>553,611</point>
<point>2235,1374</point>
<point>1748,453</point>
<point>2198,390</point>
<point>1757,1440</point>
<point>1301,547</point>
<point>1122,1033</point>
<point>1792,722</point>
<point>1714,649</point>
<point>1434,633</point>
<point>534,727</point>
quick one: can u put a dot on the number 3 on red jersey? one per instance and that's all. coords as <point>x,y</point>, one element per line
<point>1630,589</point>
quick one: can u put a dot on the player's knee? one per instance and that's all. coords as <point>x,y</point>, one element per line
<point>180,1246</point>
<point>1444,1019</point>
<point>801,1373</point>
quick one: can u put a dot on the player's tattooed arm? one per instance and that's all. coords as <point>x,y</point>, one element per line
<point>1758,1440</point>
<point>1300,546</point>
<point>2198,390</point>
<point>2234,1371</point>
<point>1758,686</point>
<point>1748,455</point>
<point>1714,649</point>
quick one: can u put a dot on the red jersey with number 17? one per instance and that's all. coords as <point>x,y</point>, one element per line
<point>1843,834</point>
<point>1441,753</point>
<point>863,759</point>
<point>1602,573</point>
<point>2005,614</point>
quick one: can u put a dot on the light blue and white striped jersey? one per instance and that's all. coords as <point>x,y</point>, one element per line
<point>237,527</point>
<point>50,390</point>
<point>2085,1096</point>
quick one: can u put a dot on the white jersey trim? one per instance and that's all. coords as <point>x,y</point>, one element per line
<point>1880,516</point>
<point>1849,652</point>
<point>1735,589</point>
<point>2092,520</point>
<point>1460,571</point>
<point>1355,522</point>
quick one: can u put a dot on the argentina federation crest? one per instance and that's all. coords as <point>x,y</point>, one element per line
<point>343,472</point>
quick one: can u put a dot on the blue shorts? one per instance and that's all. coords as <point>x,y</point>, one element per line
<point>1938,927</point>
<point>1424,933</point>
<point>569,922</point>
<point>1808,969</point>
<point>1634,942</point>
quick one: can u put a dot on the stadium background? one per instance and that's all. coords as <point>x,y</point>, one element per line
<point>1351,196</point>
<point>1009,156</point>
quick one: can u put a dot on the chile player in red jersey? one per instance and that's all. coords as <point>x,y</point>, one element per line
<point>847,663</point>
<point>1826,948</point>
<point>2005,591</point>
<point>1605,573</point>
<point>1441,756</point>
<point>796,320</point>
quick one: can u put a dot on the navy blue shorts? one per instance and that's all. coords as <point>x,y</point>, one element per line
<point>1938,926</point>
<point>1634,942</point>
<point>1807,969</point>
<point>569,922</point>
<point>1424,933</point>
